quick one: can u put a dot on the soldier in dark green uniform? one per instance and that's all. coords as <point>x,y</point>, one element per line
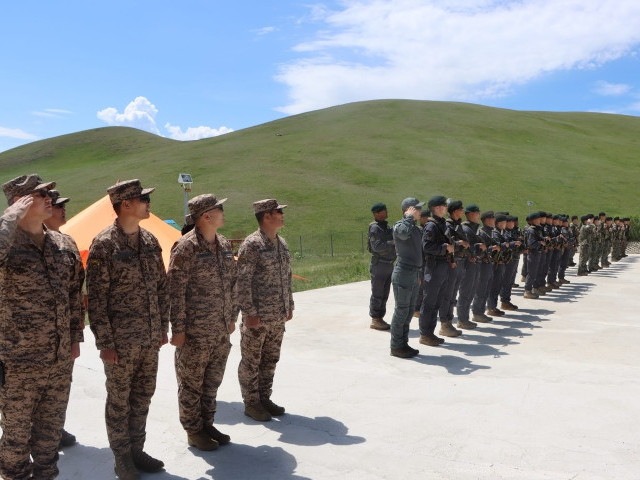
<point>383,254</point>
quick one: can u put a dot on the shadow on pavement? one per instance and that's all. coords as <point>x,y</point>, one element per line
<point>454,365</point>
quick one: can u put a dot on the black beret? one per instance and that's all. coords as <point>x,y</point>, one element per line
<point>472,207</point>
<point>487,214</point>
<point>501,218</point>
<point>608,219</point>
<point>424,213</point>
<point>589,215</point>
<point>602,214</point>
<point>378,207</point>
<point>454,205</point>
<point>616,219</point>
<point>513,218</point>
<point>574,217</point>
<point>556,217</point>
<point>436,201</point>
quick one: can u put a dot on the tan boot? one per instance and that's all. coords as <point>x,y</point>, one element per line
<point>530,294</point>
<point>202,441</point>
<point>481,318</point>
<point>508,306</point>
<point>272,408</point>
<point>466,324</point>
<point>431,340</point>
<point>124,468</point>
<point>257,412</point>
<point>145,462</point>
<point>379,324</point>
<point>448,330</point>
<point>217,435</point>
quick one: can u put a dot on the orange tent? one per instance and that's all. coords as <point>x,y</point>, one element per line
<point>84,226</point>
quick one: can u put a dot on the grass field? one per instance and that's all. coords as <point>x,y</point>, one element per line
<point>330,165</point>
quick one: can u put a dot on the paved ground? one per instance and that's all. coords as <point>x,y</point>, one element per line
<point>549,392</point>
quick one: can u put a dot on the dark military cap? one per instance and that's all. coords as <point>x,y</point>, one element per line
<point>436,201</point>
<point>266,205</point>
<point>56,199</point>
<point>24,185</point>
<point>203,203</point>
<point>626,219</point>
<point>472,207</point>
<point>529,217</point>
<point>608,219</point>
<point>511,218</point>
<point>424,213</point>
<point>541,213</point>
<point>487,214</point>
<point>454,205</point>
<point>616,219</point>
<point>127,190</point>
<point>515,218</point>
<point>549,215</point>
<point>506,214</point>
<point>574,217</point>
<point>378,207</point>
<point>602,214</point>
<point>556,217</point>
<point>500,218</point>
<point>411,202</point>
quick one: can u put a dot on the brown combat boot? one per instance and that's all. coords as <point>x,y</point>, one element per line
<point>539,292</point>
<point>217,435</point>
<point>448,330</point>
<point>272,408</point>
<point>481,318</point>
<point>145,462</point>
<point>124,468</point>
<point>431,340</point>
<point>404,352</point>
<point>508,306</point>
<point>529,294</point>
<point>467,324</point>
<point>379,324</point>
<point>494,312</point>
<point>257,412</point>
<point>202,441</point>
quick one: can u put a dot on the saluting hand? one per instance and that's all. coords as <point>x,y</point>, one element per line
<point>21,206</point>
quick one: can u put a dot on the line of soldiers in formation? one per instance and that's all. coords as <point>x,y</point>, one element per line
<point>131,301</point>
<point>471,264</point>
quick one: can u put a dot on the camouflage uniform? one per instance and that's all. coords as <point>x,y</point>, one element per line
<point>41,316</point>
<point>128,312</point>
<point>202,281</point>
<point>264,290</point>
<point>584,239</point>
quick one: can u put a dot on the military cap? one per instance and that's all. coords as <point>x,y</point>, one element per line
<point>626,219</point>
<point>514,217</point>
<point>511,218</point>
<point>608,219</point>
<point>24,185</point>
<point>424,213</point>
<point>411,202</point>
<point>542,213</point>
<point>203,203</point>
<point>472,207</point>
<point>602,214</point>
<point>436,201</point>
<point>378,207</point>
<point>56,199</point>
<point>584,218</point>
<point>500,218</point>
<point>487,214</point>
<point>574,217</point>
<point>615,219</point>
<point>556,217</point>
<point>266,205</point>
<point>127,190</point>
<point>549,215</point>
<point>506,214</point>
<point>529,217</point>
<point>454,205</point>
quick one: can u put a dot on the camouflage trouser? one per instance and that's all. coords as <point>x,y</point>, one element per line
<point>34,405</point>
<point>606,250</point>
<point>260,349</point>
<point>594,256</point>
<point>199,370</point>
<point>584,258</point>
<point>130,386</point>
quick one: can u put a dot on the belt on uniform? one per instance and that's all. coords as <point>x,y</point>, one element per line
<point>408,266</point>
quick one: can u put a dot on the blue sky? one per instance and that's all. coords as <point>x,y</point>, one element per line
<point>192,69</point>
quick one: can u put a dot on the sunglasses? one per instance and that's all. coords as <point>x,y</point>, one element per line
<point>40,193</point>
<point>145,198</point>
<point>278,210</point>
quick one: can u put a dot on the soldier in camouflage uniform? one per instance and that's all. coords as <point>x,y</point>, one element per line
<point>616,239</point>
<point>266,301</point>
<point>129,316</point>
<point>202,278</point>
<point>57,219</point>
<point>606,244</point>
<point>40,318</point>
<point>584,240</point>
<point>596,245</point>
<point>575,232</point>
<point>383,254</point>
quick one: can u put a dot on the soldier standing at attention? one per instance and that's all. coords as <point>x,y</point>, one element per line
<point>204,309</point>
<point>383,253</point>
<point>266,301</point>
<point>40,331</point>
<point>584,240</point>
<point>57,219</point>
<point>129,317</point>
<point>407,237</point>
<point>574,226</point>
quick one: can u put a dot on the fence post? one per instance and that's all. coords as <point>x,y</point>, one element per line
<point>331,237</point>
<point>300,246</point>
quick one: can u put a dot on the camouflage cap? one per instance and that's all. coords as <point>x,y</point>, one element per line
<point>266,205</point>
<point>203,203</point>
<point>126,190</point>
<point>411,202</point>
<point>56,199</point>
<point>24,185</point>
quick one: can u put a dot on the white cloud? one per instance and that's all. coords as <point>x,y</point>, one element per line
<point>611,89</point>
<point>195,133</point>
<point>140,113</point>
<point>16,133</point>
<point>51,113</point>
<point>452,50</point>
<point>264,30</point>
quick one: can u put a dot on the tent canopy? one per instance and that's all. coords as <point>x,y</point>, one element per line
<point>84,226</point>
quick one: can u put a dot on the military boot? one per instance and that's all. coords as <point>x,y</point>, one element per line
<point>217,435</point>
<point>563,281</point>
<point>257,412</point>
<point>66,440</point>
<point>272,408</point>
<point>494,312</point>
<point>523,279</point>
<point>404,352</point>
<point>448,330</point>
<point>467,324</point>
<point>145,462</point>
<point>379,324</point>
<point>431,340</point>
<point>124,468</point>
<point>540,292</point>
<point>508,306</point>
<point>530,294</point>
<point>202,441</point>
<point>482,318</point>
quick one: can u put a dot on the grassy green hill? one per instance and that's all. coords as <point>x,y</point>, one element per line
<point>331,165</point>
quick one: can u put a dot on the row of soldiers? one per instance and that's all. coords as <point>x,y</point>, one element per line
<point>470,265</point>
<point>599,237</point>
<point>132,300</point>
